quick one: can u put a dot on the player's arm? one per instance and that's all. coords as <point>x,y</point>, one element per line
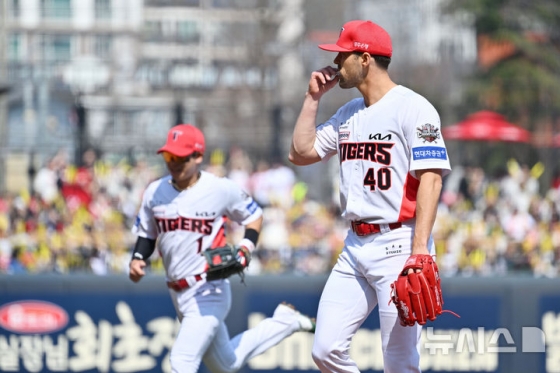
<point>426,207</point>
<point>302,151</point>
<point>143,249</point>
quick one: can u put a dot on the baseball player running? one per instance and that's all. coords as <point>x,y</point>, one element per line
<point>184,214</point>
<point>392,159</point>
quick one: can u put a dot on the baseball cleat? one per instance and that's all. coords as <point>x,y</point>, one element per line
<point>306,323</point>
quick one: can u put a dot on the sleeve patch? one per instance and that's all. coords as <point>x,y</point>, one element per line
<point>429,152</point>
<point>252,207</point>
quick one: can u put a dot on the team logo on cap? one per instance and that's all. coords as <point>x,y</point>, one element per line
<point>176,135</point>
<point>428,132</point>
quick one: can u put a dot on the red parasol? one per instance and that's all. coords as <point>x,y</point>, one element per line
<point>556,140</point>
<point>486,126</point>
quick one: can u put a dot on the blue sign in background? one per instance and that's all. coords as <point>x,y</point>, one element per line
<point>96,309</point>
<point>109,302</point>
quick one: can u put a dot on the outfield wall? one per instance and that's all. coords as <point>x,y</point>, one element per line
<point>108,324</point>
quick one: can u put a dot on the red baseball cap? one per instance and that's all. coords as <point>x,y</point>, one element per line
<point>183,140</point>
<point>362,36</point>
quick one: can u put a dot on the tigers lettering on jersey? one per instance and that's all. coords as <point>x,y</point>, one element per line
<point>203,226</point>
<point>370,151</point>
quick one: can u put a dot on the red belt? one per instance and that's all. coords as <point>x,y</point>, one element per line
<point>363,229</point>
<point>183,283</point>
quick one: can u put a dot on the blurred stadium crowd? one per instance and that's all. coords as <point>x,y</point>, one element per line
<point>78,219</point>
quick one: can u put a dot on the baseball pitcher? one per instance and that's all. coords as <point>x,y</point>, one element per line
<point>392,160</point>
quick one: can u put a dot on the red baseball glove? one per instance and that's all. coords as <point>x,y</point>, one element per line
<point>417,295</point>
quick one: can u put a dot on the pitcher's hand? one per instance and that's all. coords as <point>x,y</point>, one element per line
<point>322,81</point>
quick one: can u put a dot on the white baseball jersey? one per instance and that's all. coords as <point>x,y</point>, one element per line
<point>187,222</point>
<point>379,148</point>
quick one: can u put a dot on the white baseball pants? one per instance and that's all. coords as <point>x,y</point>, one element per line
<point>203,335</point>
<point>360,281</point>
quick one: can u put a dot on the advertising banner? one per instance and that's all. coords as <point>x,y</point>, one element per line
<point>107,324</point>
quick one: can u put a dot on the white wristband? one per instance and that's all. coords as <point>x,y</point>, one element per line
<point>248,244</point>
